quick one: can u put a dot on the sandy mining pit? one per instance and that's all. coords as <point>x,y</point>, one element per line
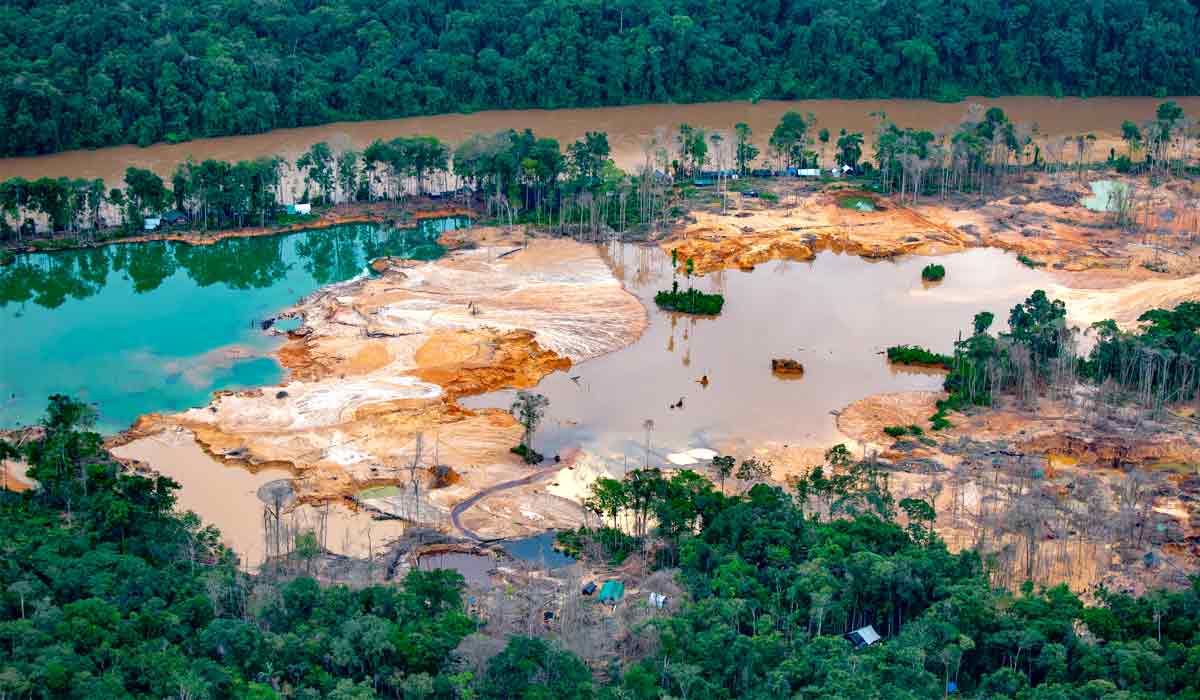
<point>1103,270</point>
<point>380,360</point>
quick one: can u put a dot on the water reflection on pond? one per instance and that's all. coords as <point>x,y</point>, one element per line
<point>158,326</point>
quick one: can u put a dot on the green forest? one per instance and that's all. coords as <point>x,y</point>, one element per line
<point>106,591</point>
<point>82,74</point>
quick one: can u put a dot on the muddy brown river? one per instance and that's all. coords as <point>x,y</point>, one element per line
<point>628,128</point>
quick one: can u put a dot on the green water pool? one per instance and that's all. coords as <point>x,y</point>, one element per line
<point>157,327</point>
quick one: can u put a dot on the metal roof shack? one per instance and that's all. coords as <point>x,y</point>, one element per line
<point>862,637</point>
<point>611,592</point>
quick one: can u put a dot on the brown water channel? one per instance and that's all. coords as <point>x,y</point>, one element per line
<point>628,129</point>
<point>835,315</point>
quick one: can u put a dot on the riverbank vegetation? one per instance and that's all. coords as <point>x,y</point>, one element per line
<point>521,178</point>
<point>163,74</point>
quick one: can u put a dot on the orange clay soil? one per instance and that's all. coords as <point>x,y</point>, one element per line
<point>382,360</point>
<point>1041,218</point>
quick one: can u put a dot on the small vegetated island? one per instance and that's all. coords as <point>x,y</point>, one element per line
<point>691,300</point>
<point>933,273</point>
<point>917,356</point>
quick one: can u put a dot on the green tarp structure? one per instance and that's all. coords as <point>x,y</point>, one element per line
<point>612,591</point>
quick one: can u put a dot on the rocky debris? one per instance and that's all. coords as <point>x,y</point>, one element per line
<point>920,465</point>
<point>1058,196</point>
<point>784,365</point>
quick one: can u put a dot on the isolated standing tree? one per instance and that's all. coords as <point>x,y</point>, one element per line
<point>849,149</point>
<point>529,409</point>
<point>788,138</point>
<point>648,426</point>
<point>317,164</point>
<point>347,175</point>
<point>1131,135</point>
<point>744,152</point>
<point>724,466</point>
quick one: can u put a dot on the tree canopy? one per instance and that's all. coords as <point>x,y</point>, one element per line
<point>81,75</point>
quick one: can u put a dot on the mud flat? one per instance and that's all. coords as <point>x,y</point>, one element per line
<point>1042,219</point>
<point>228,497</point>
<point>380,361</point>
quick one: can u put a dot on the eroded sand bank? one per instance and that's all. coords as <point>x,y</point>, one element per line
<point>381,360</point>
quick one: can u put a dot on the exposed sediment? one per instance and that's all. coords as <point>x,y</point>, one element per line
<point>1125,480</point>
<point>381,360</point>
<point>805,223</point>
<point>1099,267</point>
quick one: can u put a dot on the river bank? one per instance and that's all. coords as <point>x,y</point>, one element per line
<point>382,212</point>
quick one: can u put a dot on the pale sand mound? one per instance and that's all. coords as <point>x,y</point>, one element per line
<point>1125,304</point>
<point>381,360</point>
<point>865,419</point>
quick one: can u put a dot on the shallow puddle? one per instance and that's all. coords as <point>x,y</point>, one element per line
<point>1106,195</point>
<point>835,315</point>
<point>473,567</point>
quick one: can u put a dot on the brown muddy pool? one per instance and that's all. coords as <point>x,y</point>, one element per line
<point>836,315</point>
<point>473,567</point>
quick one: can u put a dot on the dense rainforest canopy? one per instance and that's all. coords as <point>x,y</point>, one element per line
<point>79,74</point>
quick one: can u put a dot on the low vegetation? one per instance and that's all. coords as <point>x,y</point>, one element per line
<point>898,431</point>
<point>691,300</point>
<point>918,356</point>
<point>1029,262</point>
<point>933,273</point>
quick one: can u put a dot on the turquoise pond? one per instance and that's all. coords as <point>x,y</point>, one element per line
<point>157,327</point>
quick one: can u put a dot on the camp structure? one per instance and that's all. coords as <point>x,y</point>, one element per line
<point>612,592</point>
<point>590,588</point>
<point>174,218</point>
<point>862,637</point>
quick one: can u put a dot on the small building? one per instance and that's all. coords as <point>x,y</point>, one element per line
<point>175,218</point>
<point>862,637</point>
<point>151,223</point>
<point>657,600</point>
<point>809,172</point>
<point>612,592</point>
<point>590,588</point>
<point>304,208</point>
